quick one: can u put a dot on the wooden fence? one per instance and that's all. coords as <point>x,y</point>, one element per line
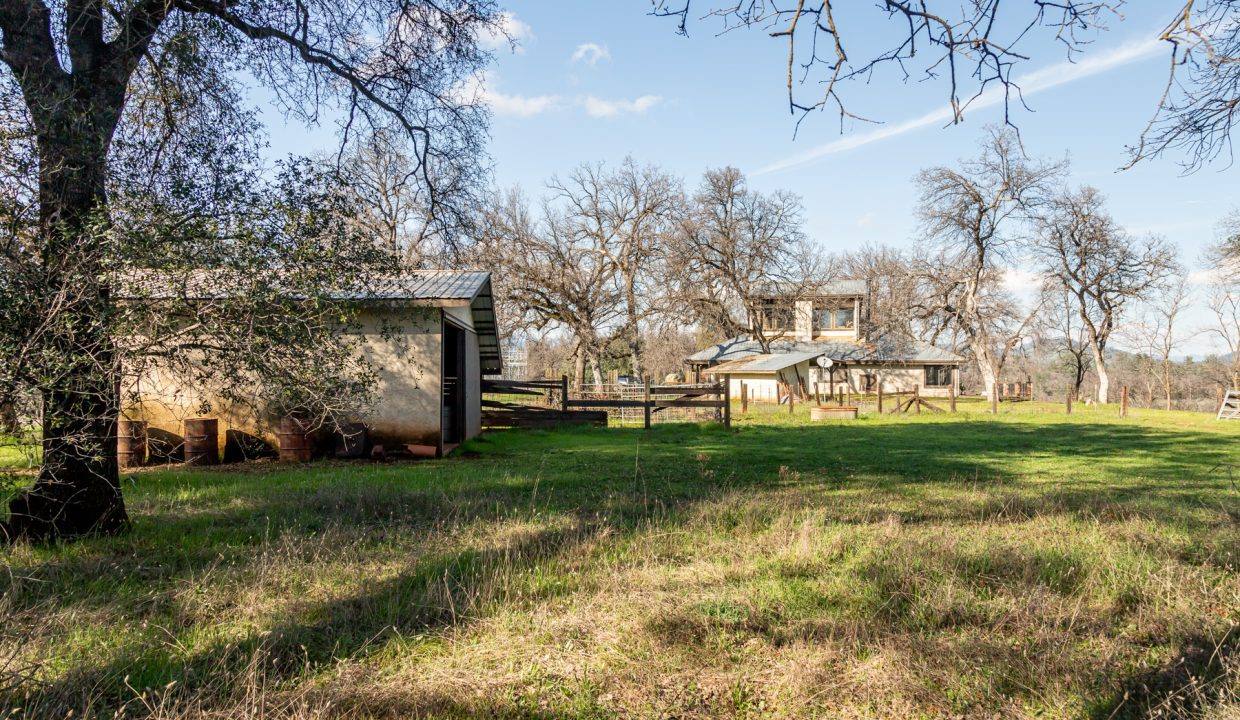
<point>526,403</point>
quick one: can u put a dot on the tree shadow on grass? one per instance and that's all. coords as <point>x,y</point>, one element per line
<point>1203,674</point>
<point>613,478</point>
<point>434,592</point>
<point>857,473</point>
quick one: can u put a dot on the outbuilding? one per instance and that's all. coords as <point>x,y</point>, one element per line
<point>429,336</point>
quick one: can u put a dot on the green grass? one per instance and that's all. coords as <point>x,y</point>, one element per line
<point>1027,565</point>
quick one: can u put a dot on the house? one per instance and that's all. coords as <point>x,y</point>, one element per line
<point>429,336</point>
<point>818,344</point>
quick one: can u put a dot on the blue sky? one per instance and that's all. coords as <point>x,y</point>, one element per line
<point>599,81</point>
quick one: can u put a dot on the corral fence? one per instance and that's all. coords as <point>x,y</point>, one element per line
<point>541,403</point>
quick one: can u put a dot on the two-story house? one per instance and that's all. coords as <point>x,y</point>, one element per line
<point>830,324</point>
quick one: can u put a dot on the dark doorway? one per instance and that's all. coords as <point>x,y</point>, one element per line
<point>453,419</point>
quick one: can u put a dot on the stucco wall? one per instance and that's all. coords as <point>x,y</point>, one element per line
<point>894,378</point>
<point>406,398</point>
<point>408,388</point>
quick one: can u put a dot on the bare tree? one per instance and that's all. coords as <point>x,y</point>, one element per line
<point>70,72</point>
<point>1100,265</point>
<point>975,48</point>
<point>972,218</point>
<point>1223,301</point>
<point>1228,248</point>
<point>1061,325</point>
<point>1157,331</point>
<point>740,256</point>
<point>970,46</point>
<point>1201,101</point>
<point>891,277</point>
<point>553,277</point>
<point>383,173</point>
<point>627,215</point>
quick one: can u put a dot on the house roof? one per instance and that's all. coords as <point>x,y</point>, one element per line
<point>471,288</point>
<point>427,288</point>
<point>425,285</point>
<point>882,350</point>
<point>768,363</point>
<point>847,287</point>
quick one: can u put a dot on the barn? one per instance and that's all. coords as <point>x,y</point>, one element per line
<point>430,336</point>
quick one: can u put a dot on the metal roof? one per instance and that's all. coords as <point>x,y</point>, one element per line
<point>882,350</point>
<point>424,285</point>
<point>433,288</point>
<point>846,287</point>
<point>768,363</point>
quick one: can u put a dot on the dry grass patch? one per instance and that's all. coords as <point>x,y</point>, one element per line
<point>1030,566</point>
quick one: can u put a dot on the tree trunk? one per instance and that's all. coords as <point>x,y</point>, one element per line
<point>1104,378</point>
<point>987,367</point>
<point>1078,378</point>
<point>78,489</point>
<point>597,367</point>
<point>579,367</point>
<point>9,423</point>
<point>1166,382</point>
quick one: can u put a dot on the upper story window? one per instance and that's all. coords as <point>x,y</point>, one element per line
<point>777,315</point>
<point>835,317</point>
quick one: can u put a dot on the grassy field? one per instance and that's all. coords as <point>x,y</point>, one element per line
<point>1025,565</point>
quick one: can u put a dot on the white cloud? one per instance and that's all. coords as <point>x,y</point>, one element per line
<point>1205,277</point>
<point>1030,84</point>
<point>599,108</point>
<point>1021,281</point>
<point>590,53</point>
<point>482,89</point>
<point>866,220</point>
<point>521,105</point>
<point>512,33</point>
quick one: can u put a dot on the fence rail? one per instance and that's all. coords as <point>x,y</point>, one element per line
<point>644,403</point>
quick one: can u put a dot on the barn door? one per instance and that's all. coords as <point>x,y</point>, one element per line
<point>453,410</point>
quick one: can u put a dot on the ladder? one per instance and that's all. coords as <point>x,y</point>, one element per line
<point>1230,408</point>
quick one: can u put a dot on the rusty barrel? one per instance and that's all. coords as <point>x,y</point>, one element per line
<point>296,438</point>
<point>131,443</point>
<point>202,441</point>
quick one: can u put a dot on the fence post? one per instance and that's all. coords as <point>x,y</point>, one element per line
<point>727,400</point>
<point>1123,402</point>
<point>646,403</point>
<point>880,397</point>
<point>791,399</point>
<point>563,393</point>
<point>994,399</point>
<point>951,396</point>
<point>917,397</point>
<point>744,398</point>
<point>1067,401</point>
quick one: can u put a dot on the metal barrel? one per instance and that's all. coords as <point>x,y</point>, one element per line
<point>296,438</point>
<point>202,441</point>
<point>131,443</point>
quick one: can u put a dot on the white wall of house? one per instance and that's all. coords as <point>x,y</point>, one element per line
<point>764,387</point>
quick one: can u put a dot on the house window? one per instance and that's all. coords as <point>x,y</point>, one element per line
<point>844,318</point>
<point>869,381</point>
<point>938,375</point>
<point>777,316</point>
<point>834,318</point>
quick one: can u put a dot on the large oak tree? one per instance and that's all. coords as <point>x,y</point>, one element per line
<point>72,69</point>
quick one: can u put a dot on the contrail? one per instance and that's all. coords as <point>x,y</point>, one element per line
<point>1030,83</point>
